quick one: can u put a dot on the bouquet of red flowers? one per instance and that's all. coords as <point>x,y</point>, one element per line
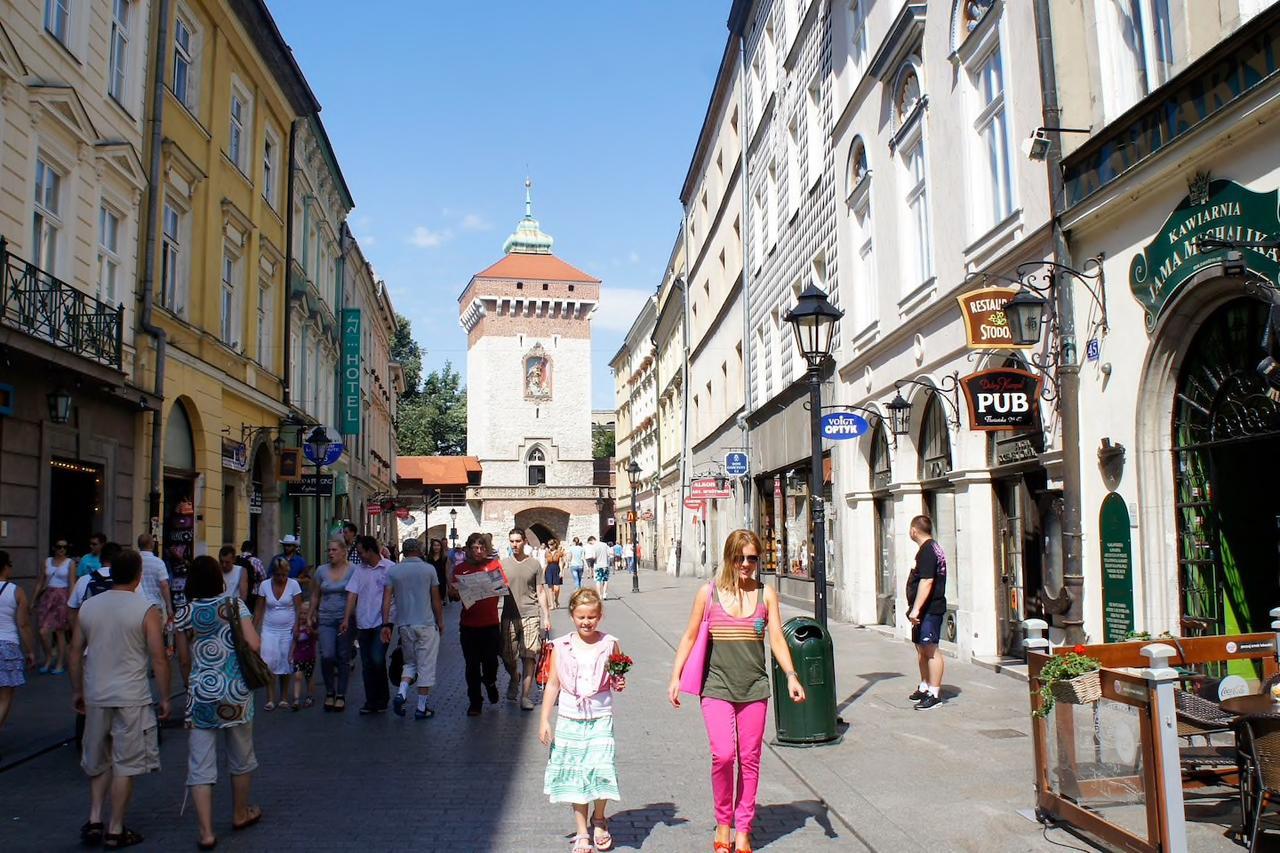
<point>619,665</point>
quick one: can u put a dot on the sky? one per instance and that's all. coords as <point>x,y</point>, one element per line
<point>438,110</point>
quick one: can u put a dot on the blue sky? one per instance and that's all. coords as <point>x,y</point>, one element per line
<point>437,110</point>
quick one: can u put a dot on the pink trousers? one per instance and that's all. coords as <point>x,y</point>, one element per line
<point>736,732</point>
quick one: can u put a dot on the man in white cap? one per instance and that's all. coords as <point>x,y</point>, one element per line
<point>297,562</point>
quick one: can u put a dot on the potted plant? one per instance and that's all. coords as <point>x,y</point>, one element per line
<point>1074,678</point>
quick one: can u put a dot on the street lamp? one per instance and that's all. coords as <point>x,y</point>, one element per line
<point>1024,313</point>
<point>453,527</point>
<point>59,405</point>
<point>813,320</point>
<point>633,477</point>
<point>318,443</point>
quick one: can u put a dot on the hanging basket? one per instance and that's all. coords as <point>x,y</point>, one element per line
<point>1080,690</point>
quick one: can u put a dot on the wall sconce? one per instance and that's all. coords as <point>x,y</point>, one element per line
<point>59,405</point>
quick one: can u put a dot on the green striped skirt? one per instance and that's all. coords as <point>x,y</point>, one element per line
<point>581,768</point>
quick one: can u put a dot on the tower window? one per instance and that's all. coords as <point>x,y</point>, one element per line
<point>545,286</point>
<point>519,285</point>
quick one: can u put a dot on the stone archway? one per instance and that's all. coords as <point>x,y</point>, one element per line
<point>542,523</point>
<point>263,500</point>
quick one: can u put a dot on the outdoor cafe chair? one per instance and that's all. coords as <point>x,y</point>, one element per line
<point>1258,748</point>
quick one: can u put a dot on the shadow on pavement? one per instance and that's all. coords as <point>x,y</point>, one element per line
<point>631,827</point>
<point>777,821</point>
<point>871,679</point>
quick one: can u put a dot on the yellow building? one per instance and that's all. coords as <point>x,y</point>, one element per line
<point>219,245</point>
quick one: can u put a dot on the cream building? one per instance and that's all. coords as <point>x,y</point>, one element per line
<point>73,85</point>
<point>528,324</point>
<point>672,347</point>
<point>635,379</point>
<point>715,292</point>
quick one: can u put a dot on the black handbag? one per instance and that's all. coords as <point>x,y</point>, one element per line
<point>253,668</point>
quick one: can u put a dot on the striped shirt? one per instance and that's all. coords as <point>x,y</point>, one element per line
<point>736,672</point>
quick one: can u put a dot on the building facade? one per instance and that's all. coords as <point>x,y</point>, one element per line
<point>672,347</point>
<point>528,324</point>
<point>714,293</point>
<point>635,379</point>
<point>72,93</point>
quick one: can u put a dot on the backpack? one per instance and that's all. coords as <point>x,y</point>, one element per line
<point>97,583</point>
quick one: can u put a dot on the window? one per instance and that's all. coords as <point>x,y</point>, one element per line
<point>270,151</point>
<point>793,168</point>
<point>183,75</point>
<point>813,133</point>
<point>264,325</point>
<point>228,298</point>
<point>57,18</point>
<point>1155,24</point>
<point>770,61</point>
<point>758,229</point>
<point>993,130</point>
<point>864,280</point>
<point>170,258</point>
<point>46,220</point>
<point>537,467</point>
<point>235,150</point>
<point>117,69</point>
<point>771,217</point>
<point>858,33</point>
<point>108,254</point>
<point>920,262</point>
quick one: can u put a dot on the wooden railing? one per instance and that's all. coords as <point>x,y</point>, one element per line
<point>1092,794</point>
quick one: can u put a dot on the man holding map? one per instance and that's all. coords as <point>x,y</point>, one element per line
<point>478,582</point>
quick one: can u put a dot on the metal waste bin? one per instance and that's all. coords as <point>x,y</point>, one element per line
<point>814,720</point>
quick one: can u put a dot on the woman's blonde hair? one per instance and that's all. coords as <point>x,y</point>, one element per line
<point>585,595</point>
<point>727,578</point>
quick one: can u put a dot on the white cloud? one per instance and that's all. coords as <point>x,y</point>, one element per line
<point>619,308</point>
<point>634,257</point>
<point>474,222</point>
<point>425,238</point>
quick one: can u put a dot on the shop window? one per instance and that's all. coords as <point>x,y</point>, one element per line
<point>881,474</point>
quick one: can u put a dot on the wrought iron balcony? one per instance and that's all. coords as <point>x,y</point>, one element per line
<point>46,307</point>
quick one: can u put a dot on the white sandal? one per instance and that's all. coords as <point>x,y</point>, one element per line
<point>581,844</point>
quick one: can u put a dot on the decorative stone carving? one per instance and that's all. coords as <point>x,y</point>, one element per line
<point>537,374</point>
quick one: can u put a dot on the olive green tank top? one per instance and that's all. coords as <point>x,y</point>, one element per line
<point>736,671</point>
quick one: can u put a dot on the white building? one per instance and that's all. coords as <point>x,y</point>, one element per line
<point>635,380</point>
<point>528,324</point>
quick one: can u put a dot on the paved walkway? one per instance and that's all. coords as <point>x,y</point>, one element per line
<point>948,779</point>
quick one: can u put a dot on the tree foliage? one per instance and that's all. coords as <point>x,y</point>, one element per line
<point>432,415</point>
<point>603,441</point>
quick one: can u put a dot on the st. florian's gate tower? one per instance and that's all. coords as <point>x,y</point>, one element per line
<point>528,324</point>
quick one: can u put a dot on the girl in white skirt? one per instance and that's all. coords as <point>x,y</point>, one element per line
<point>581,770</point>
<point>279,606</point>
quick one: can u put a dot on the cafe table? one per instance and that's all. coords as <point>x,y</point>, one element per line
<point>1254,703</point>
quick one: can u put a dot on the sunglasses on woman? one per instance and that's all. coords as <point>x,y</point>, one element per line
<point>750,559</point>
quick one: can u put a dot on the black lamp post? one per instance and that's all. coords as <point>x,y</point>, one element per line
<point>814,321</point>
<point>899,415</point>
<point>59,405</point>
<point>633,477</point>
<point>453,527</point>
<point>318,442</point>
<point>1024,313</point>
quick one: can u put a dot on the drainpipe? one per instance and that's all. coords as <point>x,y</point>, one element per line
<point>1072,620</point>
<point>288,266</point>
<point>684,391</point>
<point>748,490</point>
<point>155,193</point>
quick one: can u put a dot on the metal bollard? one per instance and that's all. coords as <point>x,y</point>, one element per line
<point>1035,640</point>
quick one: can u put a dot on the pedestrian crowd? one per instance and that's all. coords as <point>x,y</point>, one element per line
<point>115,618</point>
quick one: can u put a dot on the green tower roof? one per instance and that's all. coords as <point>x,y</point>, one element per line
<point>528,238</point>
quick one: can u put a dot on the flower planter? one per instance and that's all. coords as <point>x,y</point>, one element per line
<point>1080,690</point>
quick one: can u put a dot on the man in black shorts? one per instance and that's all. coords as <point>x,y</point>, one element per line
<point>926,606</point>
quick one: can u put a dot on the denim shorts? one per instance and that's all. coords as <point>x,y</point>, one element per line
<point>929,631</point>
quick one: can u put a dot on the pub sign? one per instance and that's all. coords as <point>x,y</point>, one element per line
<point>985,325</point>
<point>1005,398</point>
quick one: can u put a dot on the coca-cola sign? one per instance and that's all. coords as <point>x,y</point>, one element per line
<point>1005,398</point>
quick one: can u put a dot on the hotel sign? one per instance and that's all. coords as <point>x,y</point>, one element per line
<point>1221,209</point>
<point>985,325</point>
<point>350,372</point>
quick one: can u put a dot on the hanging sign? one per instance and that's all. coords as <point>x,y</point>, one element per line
<point>350,371</point>
<point>235,456</point>
<point>736,464</point>
<point>375,509</point>
<point>694,504</point>
<point>707,488</point>
<point>985,325</point>
<point>1221,209</point>
<point>839,426</point>
<point>289,468</point>
<point>332,450</point>
<point>1005,398</point>
<point>311,485</point>
<point>255,500</point>
<point>1117,569</point>
<point>647,515</point>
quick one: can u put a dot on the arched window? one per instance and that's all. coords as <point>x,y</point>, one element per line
<point>935,442</point>
<point>857,166</point>
<point>179,448</point>
<point>535,463</point>
<point>881,472</point>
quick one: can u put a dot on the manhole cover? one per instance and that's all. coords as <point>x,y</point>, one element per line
<point>1001,734</point>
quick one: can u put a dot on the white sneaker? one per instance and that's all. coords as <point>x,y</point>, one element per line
<point>526,704</point>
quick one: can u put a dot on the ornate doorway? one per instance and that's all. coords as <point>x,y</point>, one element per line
<point>1226,450</point>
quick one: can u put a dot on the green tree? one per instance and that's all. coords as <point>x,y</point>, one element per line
<point>603,441</point>
<point>434,421</point>
<point>406,351</point>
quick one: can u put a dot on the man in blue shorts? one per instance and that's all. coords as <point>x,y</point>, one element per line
<point>926,607</point>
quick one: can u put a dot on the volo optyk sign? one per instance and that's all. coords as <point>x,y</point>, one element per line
<point>839,426</point>
<point>1005,398</point>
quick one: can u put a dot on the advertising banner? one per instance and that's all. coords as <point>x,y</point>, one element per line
<point>1004,398</point>
<point>350,371</point>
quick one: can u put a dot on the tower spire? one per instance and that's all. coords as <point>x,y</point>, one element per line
<point>529,238</point>
<point>528,198</point>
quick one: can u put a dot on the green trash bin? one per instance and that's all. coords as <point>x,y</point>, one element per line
<point>814,720</point>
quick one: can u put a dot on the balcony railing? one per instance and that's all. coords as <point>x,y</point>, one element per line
<point>47,308</point>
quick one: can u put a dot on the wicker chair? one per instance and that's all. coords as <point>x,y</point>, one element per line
<point>1258,745</point>
<point>1199,716</point>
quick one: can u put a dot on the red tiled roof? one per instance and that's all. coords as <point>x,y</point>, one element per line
<point>437,470</point>
<point>541,267</point>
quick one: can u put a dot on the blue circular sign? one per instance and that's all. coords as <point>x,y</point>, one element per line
<point>735,463</point>
<point>332,451</point>
<point>839,426</point>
